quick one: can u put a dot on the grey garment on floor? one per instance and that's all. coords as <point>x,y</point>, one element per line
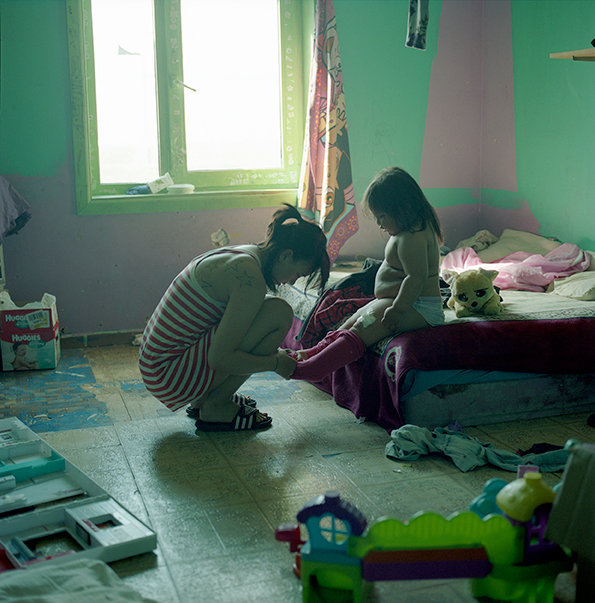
<point>410,442</point>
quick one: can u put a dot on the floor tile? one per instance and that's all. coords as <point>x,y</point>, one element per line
<point>215,499</point>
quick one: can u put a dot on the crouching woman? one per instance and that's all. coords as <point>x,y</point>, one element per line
<point>216,324</point>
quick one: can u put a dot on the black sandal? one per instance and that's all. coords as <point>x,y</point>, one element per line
<point>245,420</point>
<point>239,399</point>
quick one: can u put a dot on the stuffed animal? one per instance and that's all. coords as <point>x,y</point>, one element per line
<point>472,292</point>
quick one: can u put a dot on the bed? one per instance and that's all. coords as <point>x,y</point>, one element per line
<point>533,360</point>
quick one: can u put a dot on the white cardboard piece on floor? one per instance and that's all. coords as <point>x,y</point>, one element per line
<point>50,511</point>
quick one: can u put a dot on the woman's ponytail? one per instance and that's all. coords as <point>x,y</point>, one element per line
<point>289,230</point>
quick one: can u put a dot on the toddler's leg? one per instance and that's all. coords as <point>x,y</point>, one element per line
<point>323,343</point>
<point>346,347</point>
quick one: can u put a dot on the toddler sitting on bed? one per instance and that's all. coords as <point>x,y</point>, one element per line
<point>407,285</point>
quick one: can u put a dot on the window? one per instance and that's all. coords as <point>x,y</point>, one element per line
<point>333,530</point>
<point>209,92</point>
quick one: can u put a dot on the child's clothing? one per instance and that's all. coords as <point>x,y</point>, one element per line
<point>337,349</point>
<point>176,341</point>
<point>431,310</point>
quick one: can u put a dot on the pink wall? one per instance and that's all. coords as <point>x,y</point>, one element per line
<point>498,156</point>
<point>453,123</point>
<point>471,100</point>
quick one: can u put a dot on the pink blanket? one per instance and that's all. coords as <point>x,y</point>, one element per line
<point>522,270</point>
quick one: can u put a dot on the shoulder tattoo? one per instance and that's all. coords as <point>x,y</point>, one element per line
<point>204,278</point>
<point>239,272</point>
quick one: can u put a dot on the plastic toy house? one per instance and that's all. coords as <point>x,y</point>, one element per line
<point>50,510</point>
<point>505,555</point>
<point>330,522</point>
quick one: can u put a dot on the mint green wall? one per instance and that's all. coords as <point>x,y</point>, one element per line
<point>555,116</point>
<point>386,85</point>
<point>35,116</point>
<point>108,272</point>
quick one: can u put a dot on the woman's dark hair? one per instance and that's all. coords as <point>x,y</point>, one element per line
<point>289,230</point>
<point>394,192</point>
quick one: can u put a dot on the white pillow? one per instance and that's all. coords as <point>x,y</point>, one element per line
<point>578,286</point>
<point>511,241</point>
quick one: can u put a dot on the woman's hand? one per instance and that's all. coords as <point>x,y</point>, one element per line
<point>285,364</point>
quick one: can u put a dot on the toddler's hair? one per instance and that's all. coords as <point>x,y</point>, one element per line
<point>396,193</point>
<point>289,230</point>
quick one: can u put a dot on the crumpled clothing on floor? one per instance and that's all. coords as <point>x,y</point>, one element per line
<point>410,442</point>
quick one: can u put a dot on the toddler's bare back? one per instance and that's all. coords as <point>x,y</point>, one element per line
<point>391,274</point>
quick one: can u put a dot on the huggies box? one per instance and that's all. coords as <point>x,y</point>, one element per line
<point>29,334</point>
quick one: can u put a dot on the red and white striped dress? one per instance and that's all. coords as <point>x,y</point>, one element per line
<point>173,352</point>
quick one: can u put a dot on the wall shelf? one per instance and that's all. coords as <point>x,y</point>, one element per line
<point>588,54</point>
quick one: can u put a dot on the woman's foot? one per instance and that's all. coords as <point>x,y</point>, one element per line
<point>240,399</point>
<point>246,418</point>
<point>215,410</point>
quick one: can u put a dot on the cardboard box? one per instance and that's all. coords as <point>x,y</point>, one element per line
<point>29,334</point>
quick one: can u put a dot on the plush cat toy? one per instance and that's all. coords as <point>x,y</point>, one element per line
<point>472,293</point>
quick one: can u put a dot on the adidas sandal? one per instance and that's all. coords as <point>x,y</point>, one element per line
<point>245,420</point>
<point>239,399</point>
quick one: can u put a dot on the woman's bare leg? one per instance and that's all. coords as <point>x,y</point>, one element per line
<point>263,338</point>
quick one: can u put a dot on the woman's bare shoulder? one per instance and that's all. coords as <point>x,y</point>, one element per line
<point>229,270</point>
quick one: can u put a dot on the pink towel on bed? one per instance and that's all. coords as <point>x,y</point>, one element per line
<point>522,270</point>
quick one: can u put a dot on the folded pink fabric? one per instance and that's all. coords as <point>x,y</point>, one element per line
<point>522,270</point>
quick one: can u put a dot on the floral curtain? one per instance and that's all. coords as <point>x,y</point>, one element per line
<point>326,185</point>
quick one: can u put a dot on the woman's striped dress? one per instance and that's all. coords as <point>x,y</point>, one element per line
<point>173,352</point>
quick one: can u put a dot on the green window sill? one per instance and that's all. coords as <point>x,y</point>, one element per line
<point>168,202</point>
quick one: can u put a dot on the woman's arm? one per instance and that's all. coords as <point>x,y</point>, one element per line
<point>242,281</point>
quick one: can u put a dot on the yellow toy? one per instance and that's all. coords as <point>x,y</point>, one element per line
<point>472,292</point>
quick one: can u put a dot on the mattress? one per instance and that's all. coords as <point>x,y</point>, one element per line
<point>439,396</point>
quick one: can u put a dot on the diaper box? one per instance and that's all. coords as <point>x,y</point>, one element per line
<point>29,334</point>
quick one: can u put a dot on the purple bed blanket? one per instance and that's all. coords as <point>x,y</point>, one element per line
<point>369,387</point>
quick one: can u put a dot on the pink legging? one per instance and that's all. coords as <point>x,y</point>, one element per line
<point>336,350</point>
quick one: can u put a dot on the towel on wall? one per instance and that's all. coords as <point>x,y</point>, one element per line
<point>410,442</point>
<point>14,210</point>
<point>417,24</point>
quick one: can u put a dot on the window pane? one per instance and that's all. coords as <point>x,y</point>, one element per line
<point>123,45</point>
<point>231,57</point>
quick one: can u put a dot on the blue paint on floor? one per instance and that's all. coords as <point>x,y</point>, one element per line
<point>135,386</point>
<point>54,400</point>
<point>65,398</point>
<point>269,389</point>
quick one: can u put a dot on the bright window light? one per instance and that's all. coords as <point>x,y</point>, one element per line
<point>123,45</point>
<point>233,118</point>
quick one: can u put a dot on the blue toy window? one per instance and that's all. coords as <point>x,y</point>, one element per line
<point>333,530</point>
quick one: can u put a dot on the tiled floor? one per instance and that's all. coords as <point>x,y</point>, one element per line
<point>215,500</point>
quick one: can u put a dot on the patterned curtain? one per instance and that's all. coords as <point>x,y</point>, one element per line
<point>326,185</point>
